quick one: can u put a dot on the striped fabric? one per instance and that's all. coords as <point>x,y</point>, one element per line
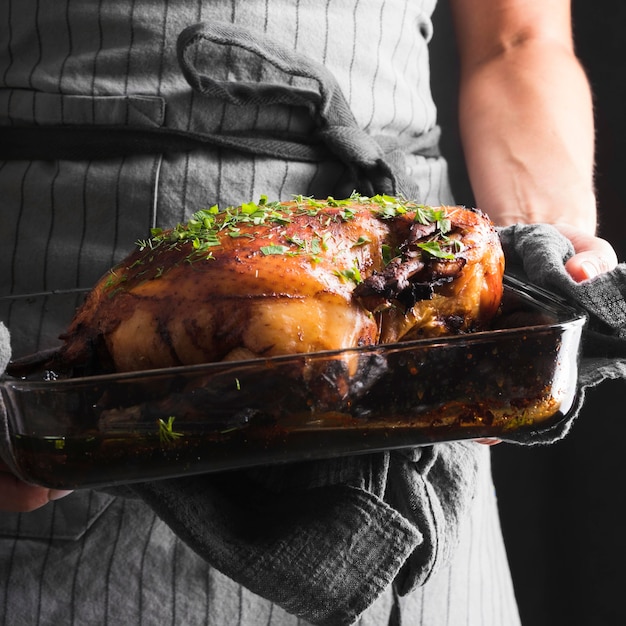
<point>92,559</point>
<point>105,63</point>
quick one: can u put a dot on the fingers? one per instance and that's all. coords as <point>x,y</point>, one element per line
<point>588,265</point>
<point>593,256</point>
<point>17,496</point>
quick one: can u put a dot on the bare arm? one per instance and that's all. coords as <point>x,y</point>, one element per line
<point>526,119</point>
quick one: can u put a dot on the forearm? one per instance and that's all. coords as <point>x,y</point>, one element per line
<point>527,129</point>
<point>526,112</point>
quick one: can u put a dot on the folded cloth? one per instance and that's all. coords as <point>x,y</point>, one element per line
<point>324,539</point>
<point>537,253</point>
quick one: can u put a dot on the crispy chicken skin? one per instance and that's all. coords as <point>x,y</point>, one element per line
<point>269,278</point>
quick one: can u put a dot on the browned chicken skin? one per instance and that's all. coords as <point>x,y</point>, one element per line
<point>270,278</point>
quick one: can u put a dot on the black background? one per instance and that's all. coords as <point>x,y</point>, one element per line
<point>562,506</point>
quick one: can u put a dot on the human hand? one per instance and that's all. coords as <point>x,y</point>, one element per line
<point>17,496</point>
<point>593,255</point>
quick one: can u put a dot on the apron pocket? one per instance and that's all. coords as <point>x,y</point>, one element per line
<point>24,107</point>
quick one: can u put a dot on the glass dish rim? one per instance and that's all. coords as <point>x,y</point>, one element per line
<point>574,316</point>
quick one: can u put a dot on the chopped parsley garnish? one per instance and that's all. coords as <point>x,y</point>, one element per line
<point>352,273</point>
<point>167,434</point>
<point>361,241</point>
<point>275,249</point>
<point>434,249</point>
<point>206,229</point>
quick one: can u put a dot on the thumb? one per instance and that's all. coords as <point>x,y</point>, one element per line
<point>592,255</point>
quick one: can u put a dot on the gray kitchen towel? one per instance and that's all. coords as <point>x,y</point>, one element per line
<point>328,536</point>
<point>537,253</point>
<point>323,539</point>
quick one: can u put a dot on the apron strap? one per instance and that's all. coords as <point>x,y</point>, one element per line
<point>377,163</point>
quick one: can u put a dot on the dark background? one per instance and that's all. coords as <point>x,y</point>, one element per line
<point>562,506</point>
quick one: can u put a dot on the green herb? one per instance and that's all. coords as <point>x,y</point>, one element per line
<point>388,206</point>
<point>112,279</point>
<point>206,228</point>
<point>274,249</point>
<point>428,215</point>
<point>167,434</point>
<point>317,244</point>
<point>388,253</point>
<point>352,273</point>
<point>434,249</point>
<point>296,241</point>
<point>348,214</point>
<point>441,246</point>
<point>142,244</point>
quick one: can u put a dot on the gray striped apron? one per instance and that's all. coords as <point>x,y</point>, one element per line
<point>96,559</point>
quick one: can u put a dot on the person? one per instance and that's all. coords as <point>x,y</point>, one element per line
<point>85,85</point>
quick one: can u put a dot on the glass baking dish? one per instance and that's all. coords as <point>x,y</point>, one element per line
<point>519,378</point>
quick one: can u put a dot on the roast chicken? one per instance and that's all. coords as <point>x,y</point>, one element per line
<point>273,278</point>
